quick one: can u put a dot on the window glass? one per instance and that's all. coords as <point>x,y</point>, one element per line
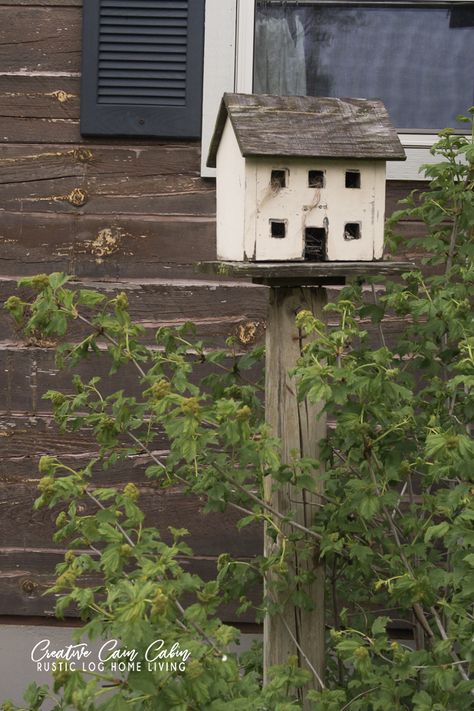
<point>418,60</point>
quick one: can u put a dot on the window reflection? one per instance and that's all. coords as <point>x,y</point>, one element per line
<point>418,60</point>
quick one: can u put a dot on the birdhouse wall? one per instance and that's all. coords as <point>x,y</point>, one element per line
<point>231,198</point>
<point>345,199</point>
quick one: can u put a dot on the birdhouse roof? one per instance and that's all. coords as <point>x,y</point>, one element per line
<point>307,126</point>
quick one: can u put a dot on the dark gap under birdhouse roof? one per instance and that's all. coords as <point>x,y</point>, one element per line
<point>307,126</point>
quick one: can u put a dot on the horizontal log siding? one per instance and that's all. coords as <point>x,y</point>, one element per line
<point>123,215</point>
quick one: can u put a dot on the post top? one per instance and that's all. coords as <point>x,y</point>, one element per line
<point>303,273</point>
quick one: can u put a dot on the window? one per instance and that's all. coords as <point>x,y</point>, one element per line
<point>352,231</point>
<point>142,68</point>
<point>278,180</point>
<point>316,179</point>
<point>278,229</point>
<point>416,57</point>
<point>352,179</point>
<point>233,35</point>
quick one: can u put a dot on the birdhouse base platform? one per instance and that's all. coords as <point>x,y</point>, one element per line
<point>303,273</point>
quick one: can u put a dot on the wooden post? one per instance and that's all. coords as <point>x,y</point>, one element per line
<point>295,286</point>
<point>296,631</point>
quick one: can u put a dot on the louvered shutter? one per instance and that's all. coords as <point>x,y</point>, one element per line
<point>142,68</point>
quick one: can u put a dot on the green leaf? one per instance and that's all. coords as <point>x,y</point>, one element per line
<point>369,507</point>
<point>35,695</point>
<point>117,703</point>
<point>88,297</point>
<point>379,626</point>
<point>437,531</point>
<point>142,681</point>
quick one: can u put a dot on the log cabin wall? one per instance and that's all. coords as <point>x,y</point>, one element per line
<point>123,215</point>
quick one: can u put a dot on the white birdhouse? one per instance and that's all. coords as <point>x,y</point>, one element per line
<point>301,178</point>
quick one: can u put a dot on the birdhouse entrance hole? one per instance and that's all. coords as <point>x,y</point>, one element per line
<point>278,228</point>
<point>352,231</point>
<point>316,179</point>
<point>352,179</point>
<point>278,179</point>
<point>315,244</point>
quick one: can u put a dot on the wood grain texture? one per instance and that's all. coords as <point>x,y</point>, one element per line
<point>25,97</point>
<point>40,39</point>
<point>42,3</point>
<point>98,160</point>
<point>25,573</point>
<point>276,273</point>
<point>307,126</point>
<point>159,180</point>
<point>111,246</point>
<point>211,534</point>
<point>217,309</point>
<point>28,372</point>
<point>300,427</point>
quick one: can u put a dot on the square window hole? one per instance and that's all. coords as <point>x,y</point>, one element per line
<point>352,179</point>
<point>278,179</point>
<point>315,244</point>
<point>352,231</point>
<point>278,228</point>
<point>316,179</point>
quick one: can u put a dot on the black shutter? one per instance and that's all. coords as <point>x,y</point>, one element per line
<point>142,68</point>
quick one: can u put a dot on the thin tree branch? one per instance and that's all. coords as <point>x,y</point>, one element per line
<point>277,514</point>
<point>302,652</point>
<point>359,696</point>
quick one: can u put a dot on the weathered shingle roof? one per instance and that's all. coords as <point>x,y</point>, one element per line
<point>307,126</point>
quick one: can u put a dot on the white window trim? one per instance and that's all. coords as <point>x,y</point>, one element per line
<point>228,66</point>
<point>228,61</point>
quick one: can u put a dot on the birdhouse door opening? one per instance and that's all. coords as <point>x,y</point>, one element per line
<point>315,244</point>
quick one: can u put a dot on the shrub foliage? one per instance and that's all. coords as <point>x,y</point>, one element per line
<point>395,530</point>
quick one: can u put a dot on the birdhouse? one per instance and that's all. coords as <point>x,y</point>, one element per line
<point>301,178</point>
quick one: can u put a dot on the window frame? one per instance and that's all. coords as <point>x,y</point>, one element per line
<point>237,75</point>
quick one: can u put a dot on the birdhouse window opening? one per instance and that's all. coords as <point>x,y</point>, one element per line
<point>352,179</point>
<point>278,228</point>
<point>352,231</point>
<point>316,179</point>
<point>315,244</point>
<point>279,179</point>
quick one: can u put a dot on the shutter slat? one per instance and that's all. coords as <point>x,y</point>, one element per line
<point>150,93</point>
<point>155,15</point>
<point>126,65</point>
<point>124,57</point>
<point>141,101</point>
<point>152,83</point>
<point>140,69</point>
<point>145,32</point>
<point>129,4</point>
<point>120,50</point>
<point>133,48</point>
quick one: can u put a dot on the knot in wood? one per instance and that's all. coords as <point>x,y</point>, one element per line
<point>248,332</point>
<point>29,587</point>
<point>77,197</point>
<point>83,155</point>
<point>62,96</point>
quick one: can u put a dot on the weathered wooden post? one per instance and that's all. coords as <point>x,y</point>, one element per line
<point>300,205</point>
<point>300,427</point>
<point>295,631</point>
